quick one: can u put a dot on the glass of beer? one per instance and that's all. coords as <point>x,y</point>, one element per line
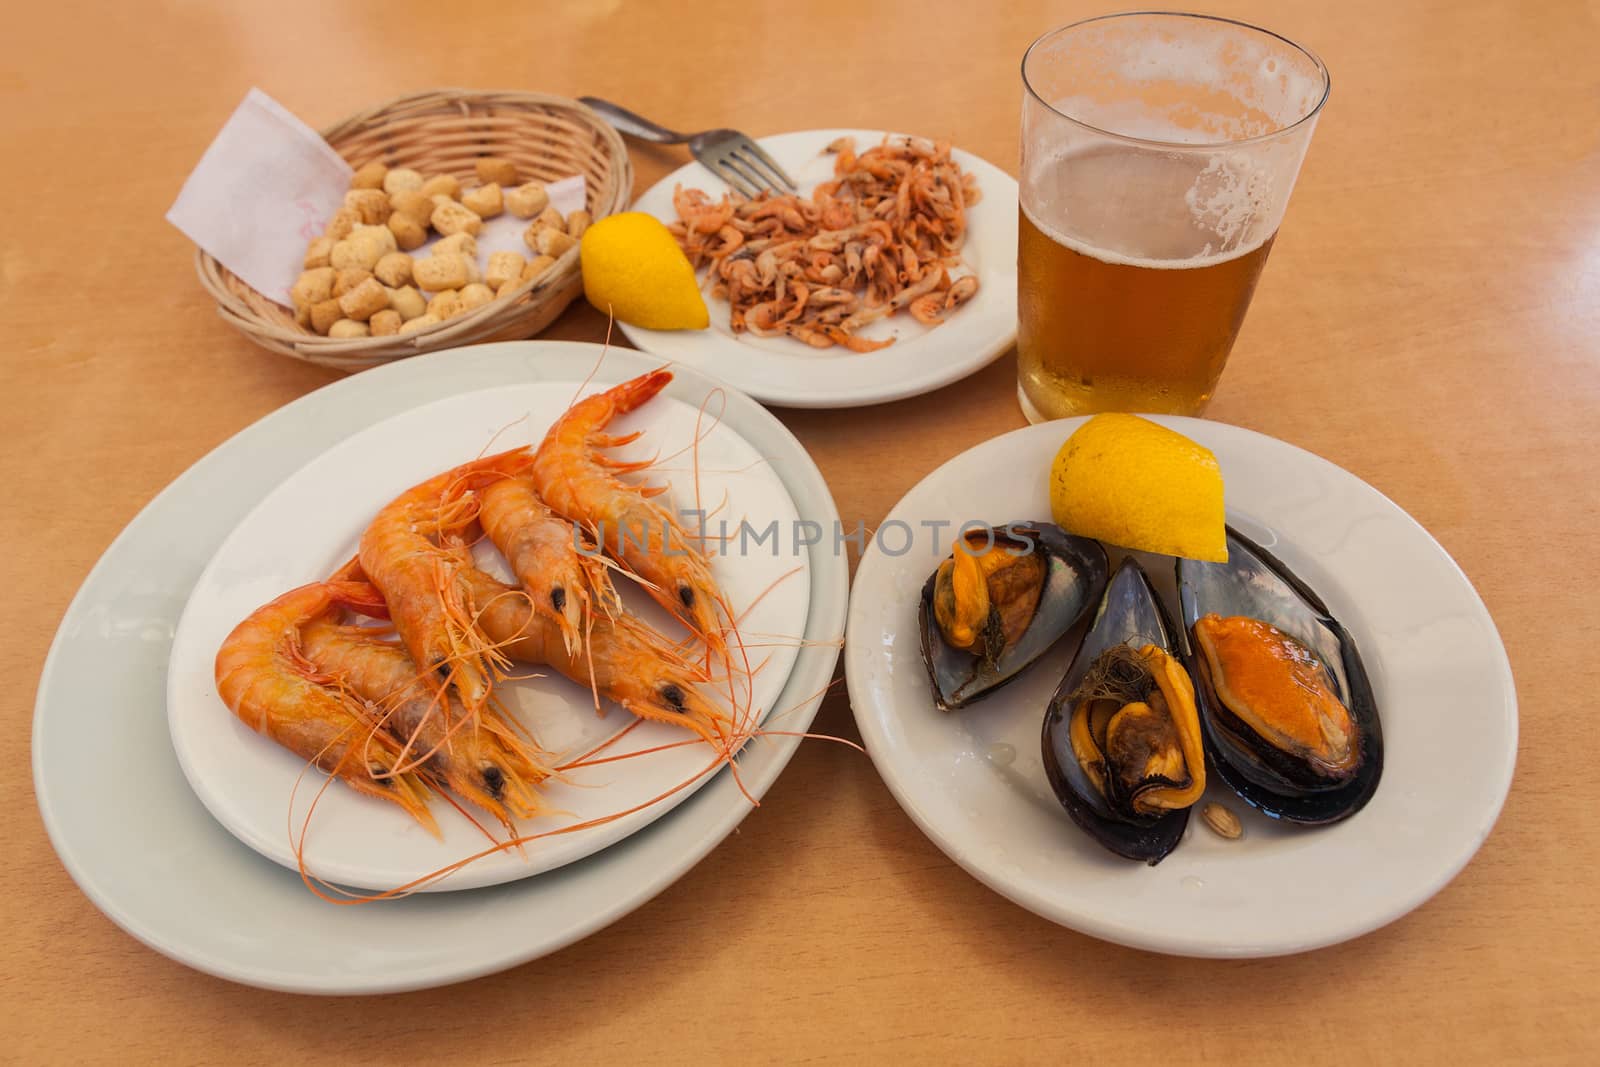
<point>1158,154</point>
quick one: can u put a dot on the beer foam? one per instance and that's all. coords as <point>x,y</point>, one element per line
<point>1150,206</point>
<point>1226,83</point>
<point>1228,196</point>
<point>1119,259</point>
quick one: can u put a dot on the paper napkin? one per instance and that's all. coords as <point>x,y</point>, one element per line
<point>267,185</point>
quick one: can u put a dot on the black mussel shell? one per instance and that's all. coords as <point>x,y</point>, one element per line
<point>1254,584</point>
<point>1130,613</point>
<point>1073,582</point>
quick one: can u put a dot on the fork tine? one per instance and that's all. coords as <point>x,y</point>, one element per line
<point>744,183</point>
<point>761,159</point>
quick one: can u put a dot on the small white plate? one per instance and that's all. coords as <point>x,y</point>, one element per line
<point>123,819</point>
<point>311,524</point>
<point>789,373</point>
<point>974,781</point>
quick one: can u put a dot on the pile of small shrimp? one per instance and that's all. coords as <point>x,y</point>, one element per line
<point>408,720</point>
<point>881,237</point>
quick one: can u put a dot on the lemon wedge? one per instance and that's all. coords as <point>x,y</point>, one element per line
<point>634,270</point>
<point>1130,482</point>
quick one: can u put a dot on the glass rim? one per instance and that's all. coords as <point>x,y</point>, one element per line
<point>1212,146</point>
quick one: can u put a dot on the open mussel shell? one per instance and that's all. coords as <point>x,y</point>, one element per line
<point>1129,614</point>
<point>1255,585</point>
<point>1073,578</point>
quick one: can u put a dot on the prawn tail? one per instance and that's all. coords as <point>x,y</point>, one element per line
<point>635,392</point>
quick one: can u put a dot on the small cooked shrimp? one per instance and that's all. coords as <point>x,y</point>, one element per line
<point>402,554</point>
<point>542,548</point>
<point>573,477</point>
<point>264,678</point>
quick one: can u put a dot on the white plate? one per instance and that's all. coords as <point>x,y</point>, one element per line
<point>139,843</point>
<point>787,372</point>
<point>311,524</point>
<point>975,783</point>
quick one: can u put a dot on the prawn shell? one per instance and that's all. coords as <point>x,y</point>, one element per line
<point>1073,582</point>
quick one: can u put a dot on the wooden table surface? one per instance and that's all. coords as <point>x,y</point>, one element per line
<point>1428,321</point>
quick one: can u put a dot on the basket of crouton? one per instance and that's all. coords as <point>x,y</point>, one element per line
<point>398,270</point>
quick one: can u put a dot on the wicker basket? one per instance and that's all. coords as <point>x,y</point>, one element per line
<point>443,132</point>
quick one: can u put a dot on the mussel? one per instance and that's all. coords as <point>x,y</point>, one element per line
<point>999,601</point>
<point>1287,709</point>
<point>1122,743</point>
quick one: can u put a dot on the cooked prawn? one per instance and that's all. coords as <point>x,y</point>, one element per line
<point>264,678</point>
<point>563,583</point>
<point>402,553</point>
<point>573,477</point>
<point>483,760</point>
<point>625,660</point>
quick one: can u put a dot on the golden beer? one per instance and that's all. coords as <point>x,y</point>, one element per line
<point>1144,322</point>
<point>1159,150</point>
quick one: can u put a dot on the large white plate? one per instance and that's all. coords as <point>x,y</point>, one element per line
<point>974,780</point>
<point>784,371</point>
<point>139,843</point>
<point>311,524</point>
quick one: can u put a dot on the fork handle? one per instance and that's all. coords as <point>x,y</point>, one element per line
<point>634,125</point>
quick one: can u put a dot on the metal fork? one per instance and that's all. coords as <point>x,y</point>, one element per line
<point>728,154</point>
